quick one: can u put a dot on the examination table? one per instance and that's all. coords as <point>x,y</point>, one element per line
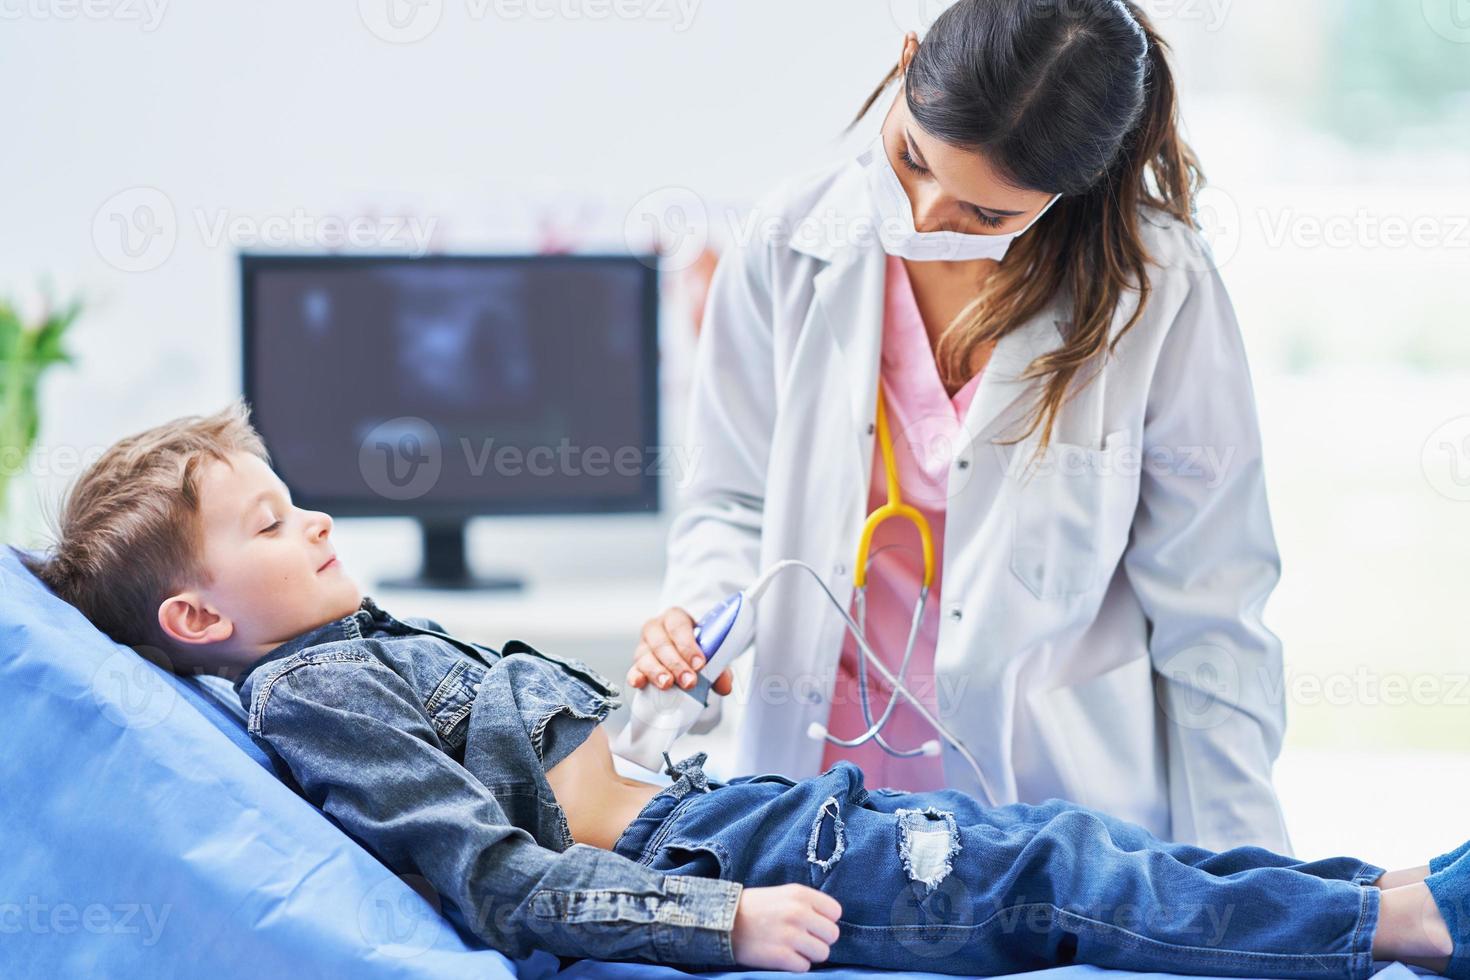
<point>147,836</point>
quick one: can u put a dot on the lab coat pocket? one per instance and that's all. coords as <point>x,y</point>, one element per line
<point>1062,509</point>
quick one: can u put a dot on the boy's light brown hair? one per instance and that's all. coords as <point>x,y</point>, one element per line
<point>129,534</point>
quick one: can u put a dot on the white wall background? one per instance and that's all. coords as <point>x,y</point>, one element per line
<point>265,110</point>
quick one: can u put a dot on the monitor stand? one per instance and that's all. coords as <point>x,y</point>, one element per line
<point>444,565</point>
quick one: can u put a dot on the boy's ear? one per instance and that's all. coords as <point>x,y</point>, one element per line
<point>186,619</point>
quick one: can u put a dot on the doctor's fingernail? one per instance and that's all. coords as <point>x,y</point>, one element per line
<point>697,662</point>
<point>686,679</point>
<point>663,679</point>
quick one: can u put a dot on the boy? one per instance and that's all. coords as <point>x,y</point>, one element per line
<point>488,773</point>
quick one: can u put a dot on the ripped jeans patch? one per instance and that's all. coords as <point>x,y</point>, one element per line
<point>829,835</point>
<point>928,841</point>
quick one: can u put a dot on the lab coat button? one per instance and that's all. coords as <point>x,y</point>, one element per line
<point>872,428</point>
<point>839,569</point>
<point>963,463</point>
<point>956,613</point>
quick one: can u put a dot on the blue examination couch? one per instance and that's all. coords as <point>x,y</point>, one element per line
<point>145,835</point>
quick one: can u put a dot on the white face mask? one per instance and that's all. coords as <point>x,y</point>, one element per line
<point>896,220</point>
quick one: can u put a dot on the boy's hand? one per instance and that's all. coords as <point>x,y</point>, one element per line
<point>668,653</point>
<point>786,927</point>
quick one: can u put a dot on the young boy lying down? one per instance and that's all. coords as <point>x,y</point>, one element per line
<point>488,773</point>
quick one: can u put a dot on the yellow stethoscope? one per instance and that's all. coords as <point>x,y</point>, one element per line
<point>894,508</point>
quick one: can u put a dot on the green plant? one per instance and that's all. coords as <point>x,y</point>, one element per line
<point>26,351</point>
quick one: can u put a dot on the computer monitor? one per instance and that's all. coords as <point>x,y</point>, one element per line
<point>448,387</point>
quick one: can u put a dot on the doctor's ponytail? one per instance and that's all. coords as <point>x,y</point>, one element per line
<point>1063,96</point>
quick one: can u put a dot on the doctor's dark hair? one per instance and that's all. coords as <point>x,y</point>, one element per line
<point>1063,96</point>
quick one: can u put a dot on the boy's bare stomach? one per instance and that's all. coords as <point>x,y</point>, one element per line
<point>598,802</point>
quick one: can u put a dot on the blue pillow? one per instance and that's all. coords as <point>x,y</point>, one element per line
<point>145,835</point>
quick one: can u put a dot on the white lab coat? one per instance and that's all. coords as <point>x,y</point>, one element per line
<point>1100,637</point>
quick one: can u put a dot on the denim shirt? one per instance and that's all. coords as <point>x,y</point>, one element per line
<point>432,751</point>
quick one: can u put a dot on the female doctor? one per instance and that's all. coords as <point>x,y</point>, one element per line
<point>1013,264</point>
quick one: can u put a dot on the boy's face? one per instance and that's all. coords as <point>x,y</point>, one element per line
<point>273,569</point>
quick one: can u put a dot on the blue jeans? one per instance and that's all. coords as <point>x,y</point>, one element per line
<point>938,882</point>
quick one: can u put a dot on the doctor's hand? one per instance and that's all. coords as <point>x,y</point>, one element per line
<point>667,653</point>
<point>787,927</point>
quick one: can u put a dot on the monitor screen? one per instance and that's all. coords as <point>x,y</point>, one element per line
<point>455,385</point>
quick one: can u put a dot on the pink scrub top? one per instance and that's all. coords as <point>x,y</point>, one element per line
<point>924,422</point>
